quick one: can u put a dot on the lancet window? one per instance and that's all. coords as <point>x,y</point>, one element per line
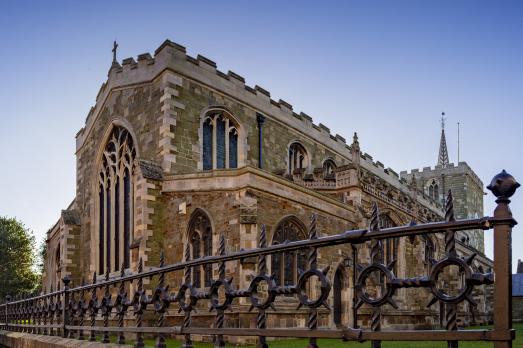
<point>434,191</point>
<point>116,201</point>
<point>390,245</point>
<point>328,169</point>
<point>200,240</point>
<point>220,142</point>
<point>285,266</point>
<point>430,250</point>
<point>298,158</point>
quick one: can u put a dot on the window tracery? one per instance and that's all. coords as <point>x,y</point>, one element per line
<point>116,201</point>
<point>434,190</point>
<point>220,142</point>
<point>200,239</point>
<point>285,266</point>
<point>430,251</point>
<point>391,245</point>
<point>298,158</point>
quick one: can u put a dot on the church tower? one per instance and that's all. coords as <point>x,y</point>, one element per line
<point>467,189</point>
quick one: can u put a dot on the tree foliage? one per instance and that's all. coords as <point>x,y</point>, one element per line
<point>17,258</point>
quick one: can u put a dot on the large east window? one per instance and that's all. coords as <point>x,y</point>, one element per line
<point>115,201</point>
<point>220,141</point>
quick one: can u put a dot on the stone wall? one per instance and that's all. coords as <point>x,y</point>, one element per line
<point>26,340</point>
<point>467,190</point>
<point>517,308</point>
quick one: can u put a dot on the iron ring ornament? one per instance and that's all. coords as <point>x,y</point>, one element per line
<point>161,299</point>
<point>386,297</point>
<point>464,269</point>
<point>214,294</point>
<point>139,303</point>
<point>186,306</point>
<point>253,291</point>
<point>325,288</point>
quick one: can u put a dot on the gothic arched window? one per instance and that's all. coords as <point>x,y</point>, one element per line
<point>220,142</point>
<point>285,266</point>
<point>434,191</point>
<point>115,201</point>
<point>328,169</point>
<point>200,240</point>
<point>430,250</point>
<point>390,245</point>
<point>298,158</point>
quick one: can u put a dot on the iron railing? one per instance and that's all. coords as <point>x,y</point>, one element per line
<point>63,312</point>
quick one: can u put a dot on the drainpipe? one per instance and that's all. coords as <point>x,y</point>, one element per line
<point>261,120</point>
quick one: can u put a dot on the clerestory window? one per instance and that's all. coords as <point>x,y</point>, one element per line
<point>328,169</point>
<point>298,158</point>
<point>220,142</point>
<point>116,201</point>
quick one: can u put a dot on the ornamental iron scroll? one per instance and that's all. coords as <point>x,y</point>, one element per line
<point>62,312</point>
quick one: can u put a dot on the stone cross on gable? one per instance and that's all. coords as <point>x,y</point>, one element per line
<point>115,46</point>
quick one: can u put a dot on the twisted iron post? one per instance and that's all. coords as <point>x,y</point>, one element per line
<point>122,306</point>
<point>312,320</point>
<point>261,317</point>
<point>375,255</point>
<point>82,308</point>
<point>65,311</point>
<point>139,313</point>
<point>220,316</point>
<point>51,313</point>
<point>450,250</point>
<point>187,281</point>
<point>93,307</point>
<point>106,308</point>
<point>160,339</point>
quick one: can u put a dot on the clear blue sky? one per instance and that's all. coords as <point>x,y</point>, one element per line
<point>385,69</point>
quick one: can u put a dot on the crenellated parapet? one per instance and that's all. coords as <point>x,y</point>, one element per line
<point>171,64</point>
<point>173,57</point>
<point>450,169</point>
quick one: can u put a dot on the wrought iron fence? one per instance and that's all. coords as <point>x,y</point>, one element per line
<point>64,312</point>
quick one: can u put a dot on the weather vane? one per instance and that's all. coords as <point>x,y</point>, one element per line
<point>115,46</point>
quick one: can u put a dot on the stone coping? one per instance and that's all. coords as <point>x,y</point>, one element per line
<point>27,340</point>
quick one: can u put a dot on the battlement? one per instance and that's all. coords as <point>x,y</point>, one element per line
<point>450,169</point>
<point>174,57</point>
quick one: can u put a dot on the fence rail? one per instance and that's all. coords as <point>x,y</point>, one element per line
<point>77,312</point>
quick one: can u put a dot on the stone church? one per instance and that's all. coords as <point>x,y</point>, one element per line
<point>177,152</point>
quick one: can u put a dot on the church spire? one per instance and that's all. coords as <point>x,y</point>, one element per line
<point>443,157</point>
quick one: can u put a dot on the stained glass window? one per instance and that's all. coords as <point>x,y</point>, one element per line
<point>285,266</point>
<point>220,141</point>
<point>115,174</point>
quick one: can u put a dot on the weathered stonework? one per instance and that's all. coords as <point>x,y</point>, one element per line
<point>467,190</point>
<point>162,101</point>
